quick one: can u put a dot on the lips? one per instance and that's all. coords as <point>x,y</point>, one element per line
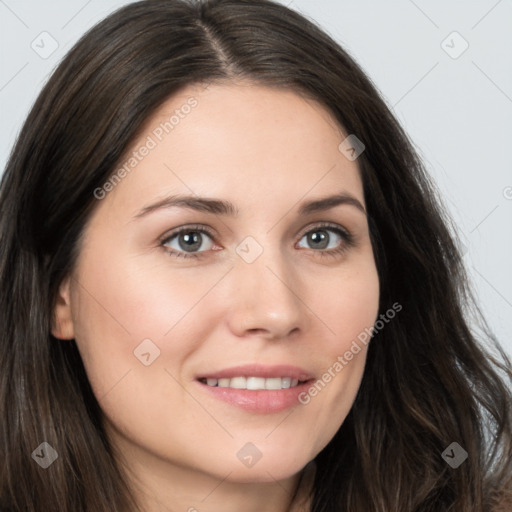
<point>263,389</point>
<point>261,371</point>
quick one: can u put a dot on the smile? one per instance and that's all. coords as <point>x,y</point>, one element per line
<point>253,383</point>
<point>256,388</point>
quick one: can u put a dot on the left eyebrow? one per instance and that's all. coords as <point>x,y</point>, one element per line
<point>326,203</point>
<point>221,207</point>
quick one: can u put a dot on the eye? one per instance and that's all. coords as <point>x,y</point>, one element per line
<point>321,238</point>
<point>188,240</point>
<point>192,241</point>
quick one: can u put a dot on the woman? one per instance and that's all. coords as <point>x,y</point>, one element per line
<point>174,337</point>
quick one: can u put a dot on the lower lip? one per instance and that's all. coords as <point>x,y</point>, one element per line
<point>259,401</point>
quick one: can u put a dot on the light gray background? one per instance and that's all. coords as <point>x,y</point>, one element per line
<point>457,109</point>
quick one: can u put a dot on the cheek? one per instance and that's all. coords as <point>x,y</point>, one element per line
<point>348,306</point>
<point>119,303</point>
<point>347,302</point>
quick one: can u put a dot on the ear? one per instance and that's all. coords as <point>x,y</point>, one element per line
<point>62,321</point>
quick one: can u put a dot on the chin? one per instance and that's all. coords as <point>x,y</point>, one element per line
<point>270,467</point>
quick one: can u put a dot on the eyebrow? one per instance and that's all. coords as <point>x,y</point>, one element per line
<point>221,207</point>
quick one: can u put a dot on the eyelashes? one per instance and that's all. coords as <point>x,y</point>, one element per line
<point>187,230</point>
<point>191,240</point>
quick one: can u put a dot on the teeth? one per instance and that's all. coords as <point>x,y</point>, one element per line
<point>274,383</point>
<point>286,382</point>
<point>238,383</point>
<point>254,383</point>
<point>223,383</point>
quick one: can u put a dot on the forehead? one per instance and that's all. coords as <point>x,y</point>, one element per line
<point>243,140</point>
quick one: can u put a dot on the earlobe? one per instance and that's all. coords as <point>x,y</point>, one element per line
<point>62,321</point>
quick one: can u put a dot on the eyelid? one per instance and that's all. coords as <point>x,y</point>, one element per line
<point>324,224</point>
<point>188,227</point>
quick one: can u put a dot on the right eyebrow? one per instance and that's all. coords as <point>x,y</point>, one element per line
<point>201,204</point>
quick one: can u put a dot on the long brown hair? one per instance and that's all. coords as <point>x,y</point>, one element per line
<point>430,379</point>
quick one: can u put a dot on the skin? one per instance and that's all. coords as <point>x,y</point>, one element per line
<point>266,150</point>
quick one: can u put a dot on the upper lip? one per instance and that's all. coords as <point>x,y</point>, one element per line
<point>259,370</point>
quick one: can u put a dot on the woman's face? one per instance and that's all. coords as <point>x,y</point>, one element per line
<point>259,294</point>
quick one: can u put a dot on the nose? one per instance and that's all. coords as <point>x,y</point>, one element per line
<point>266,298</point>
